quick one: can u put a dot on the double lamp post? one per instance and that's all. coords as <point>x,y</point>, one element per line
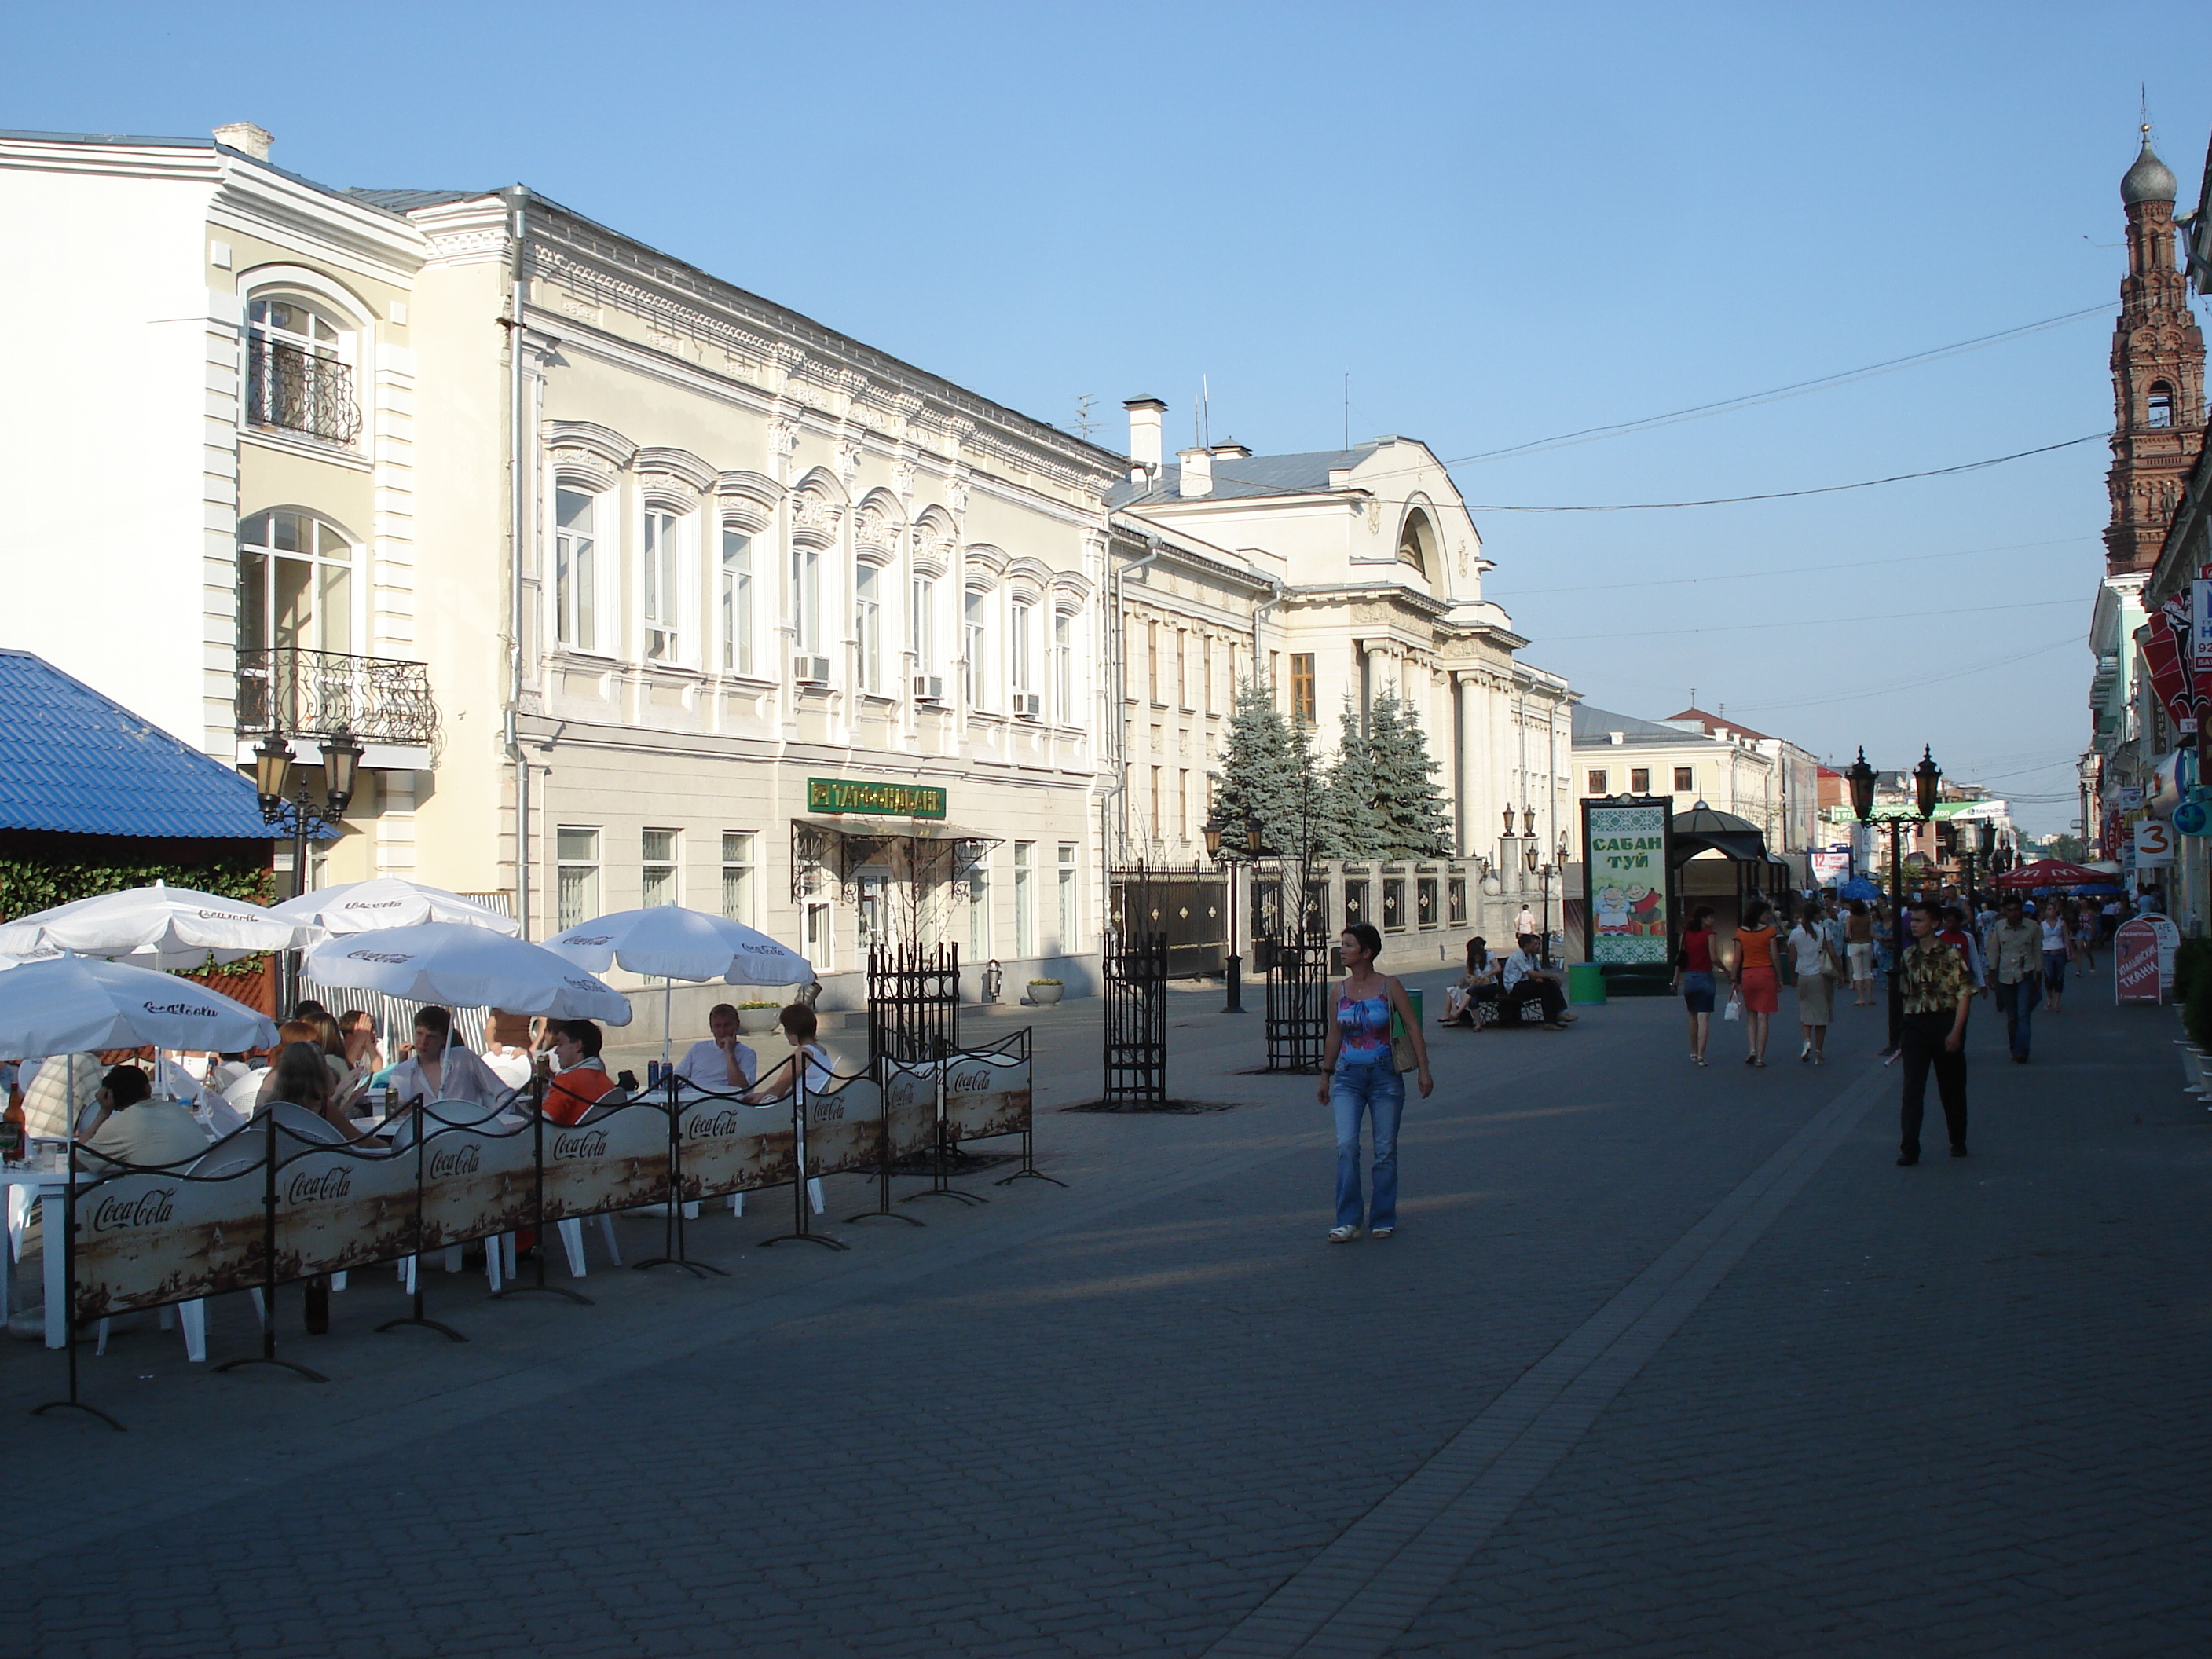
<point>1925,776</point>
<point>299,811</point>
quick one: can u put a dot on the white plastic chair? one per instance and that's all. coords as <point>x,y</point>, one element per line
<point>572,1241</point>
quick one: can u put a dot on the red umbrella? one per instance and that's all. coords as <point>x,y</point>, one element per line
<point>2051,872</point>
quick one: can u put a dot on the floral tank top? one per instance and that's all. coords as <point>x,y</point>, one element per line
<point>1365,1023</point>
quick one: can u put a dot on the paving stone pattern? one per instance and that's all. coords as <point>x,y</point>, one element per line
<point>1954,1409</point>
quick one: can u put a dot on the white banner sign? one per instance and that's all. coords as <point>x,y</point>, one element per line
<point>2152,843</point>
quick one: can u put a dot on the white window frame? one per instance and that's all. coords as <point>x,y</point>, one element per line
<point>319,530</point>
<point>566,587</point>
<point>1020,665</point>
<point>980,941</point>
<point>921,623</point>
<point>807,600</point>
<point>1063,667</point>
<point>659,866</point>
<point>868,625</point>
<point>734,578</point>
<point>664,537</point>
<point>975,646</point>
<point>343,347</point>
<point>1024,898</point>
<point>1071,901</point>
<point>581,867</point>
<point>741,866</point>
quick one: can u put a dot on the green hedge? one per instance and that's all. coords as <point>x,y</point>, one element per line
<point>2190,955</point>
<point>31,885</point>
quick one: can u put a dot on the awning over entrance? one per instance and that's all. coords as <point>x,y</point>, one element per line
<point>933,850</point>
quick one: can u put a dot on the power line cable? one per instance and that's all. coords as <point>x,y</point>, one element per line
<point>1888,615</point>
<point>1829,567</point>
<point>1787,495</point>
<point>2011,658</point>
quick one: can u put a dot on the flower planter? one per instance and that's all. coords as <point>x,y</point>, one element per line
<point>1045,995</point>
<point>757,1022</point>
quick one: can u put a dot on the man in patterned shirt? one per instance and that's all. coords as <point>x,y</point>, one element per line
<point>1939,989</point>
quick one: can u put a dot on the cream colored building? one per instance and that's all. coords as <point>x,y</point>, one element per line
<point>673,583</point>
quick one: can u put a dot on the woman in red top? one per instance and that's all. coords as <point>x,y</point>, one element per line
<point>1693,978</point>
<point>1757,980</point>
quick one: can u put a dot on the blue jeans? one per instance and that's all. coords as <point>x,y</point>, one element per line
<point>2018,1002</point>
<point>1373,1086</point>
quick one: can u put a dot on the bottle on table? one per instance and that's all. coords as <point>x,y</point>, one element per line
<point>14,1135</point>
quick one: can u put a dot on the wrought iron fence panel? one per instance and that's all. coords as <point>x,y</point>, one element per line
<point>1136,1046</point>
<point>1191,909</point>
<point>913,1003</point>
<point>1297,1001</point>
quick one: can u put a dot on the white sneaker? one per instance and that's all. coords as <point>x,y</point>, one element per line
<point>1342,1235</point>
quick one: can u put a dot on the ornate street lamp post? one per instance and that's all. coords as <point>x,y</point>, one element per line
<point>1924,779</point>
<point>272,772</point>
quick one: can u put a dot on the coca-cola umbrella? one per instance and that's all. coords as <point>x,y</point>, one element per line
<point>156,927</point>
<point>360,907</point>
<point>673,943</point>
<point>75,1005</point>
<point>454,963</point>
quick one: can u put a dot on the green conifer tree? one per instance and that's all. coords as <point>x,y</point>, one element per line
<point>1409,808</point>
<point>1351,829</point>
<point>1257,781</point>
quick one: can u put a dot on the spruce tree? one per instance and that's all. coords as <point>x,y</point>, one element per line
<point>1408,807</point>
<point>1257,781</point>
<point>1351,828</point>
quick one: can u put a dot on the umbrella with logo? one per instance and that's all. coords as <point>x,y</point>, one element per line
<point>361,907</point>
<point>454,963</point>
<point>674,943</point>
<point>156,927</point>
<point>76,1005</point>
<point>2050,873</point>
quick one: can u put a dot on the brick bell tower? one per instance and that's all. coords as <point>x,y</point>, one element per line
<point>2158,376</point>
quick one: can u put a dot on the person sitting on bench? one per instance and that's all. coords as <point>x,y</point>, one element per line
<point>1525,982</point>
<point>1478,984</point>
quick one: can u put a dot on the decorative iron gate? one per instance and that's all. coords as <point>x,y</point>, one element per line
<point>914,1002</point>
<point>1298,996</point>
<point>1136,1052</point>
<point>1189,907</point>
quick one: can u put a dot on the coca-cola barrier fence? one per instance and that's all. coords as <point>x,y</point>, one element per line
<point>270,1204</point>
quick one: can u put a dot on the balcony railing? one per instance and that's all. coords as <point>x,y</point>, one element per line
<point>299,693</point>
<point>296,391</point>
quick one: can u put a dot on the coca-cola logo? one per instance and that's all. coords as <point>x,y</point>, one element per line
<point>197,1011</point>
<point>314,1186</point>
<point>584,983</point>
<point>399,957</point>
<point>827,1111</point>
<point>148,1209</point>
<point>585,939</point>
<point>589,1143</point>
<point>706,1126</point>
<point>372,904</point>
<point>975,1080</point>
<point>456,1161</point>
<point>902,1089</point>
<point>224,916</point>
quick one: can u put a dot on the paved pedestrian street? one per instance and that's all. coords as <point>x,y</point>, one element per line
<point>1662,1361</point>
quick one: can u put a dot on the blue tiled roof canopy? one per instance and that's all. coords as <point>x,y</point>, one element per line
<point>74,761</point>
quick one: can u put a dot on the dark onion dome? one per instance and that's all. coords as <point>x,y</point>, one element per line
<point>2149,180</point>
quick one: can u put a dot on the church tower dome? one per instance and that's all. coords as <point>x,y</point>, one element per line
<point>2158,376</point>
<point>2149,180</point>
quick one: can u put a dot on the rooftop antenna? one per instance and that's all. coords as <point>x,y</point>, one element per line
<point>1082,421</point>
<point>1347,409</point>
<point>1204,414</point>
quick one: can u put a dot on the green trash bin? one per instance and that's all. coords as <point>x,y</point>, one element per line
<point>1585,981</point>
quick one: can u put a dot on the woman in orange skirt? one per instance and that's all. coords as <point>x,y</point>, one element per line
<point>1756,980</point>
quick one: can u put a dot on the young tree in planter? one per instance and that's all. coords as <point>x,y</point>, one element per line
<point>1409,806</point>
<point>1351,827</point>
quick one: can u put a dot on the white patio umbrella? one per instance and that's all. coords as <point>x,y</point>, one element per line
<point>361,907</point>
<point>157,926</point>
<point>674,943</point>
<point>70,1005</point>
<point>450,962</point>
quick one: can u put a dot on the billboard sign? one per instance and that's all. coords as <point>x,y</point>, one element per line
<point>1626,880</point>
<point>2143,960</point>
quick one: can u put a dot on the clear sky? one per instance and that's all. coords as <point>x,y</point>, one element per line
<point>1504,221</point>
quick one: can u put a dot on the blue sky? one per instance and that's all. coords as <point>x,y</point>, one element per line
<point>1504,221</point>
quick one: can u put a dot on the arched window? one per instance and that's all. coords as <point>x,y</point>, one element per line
<point>1417,541</point>
<point>296,379</point>
<point>295,581</point>
<point>2159,410</point>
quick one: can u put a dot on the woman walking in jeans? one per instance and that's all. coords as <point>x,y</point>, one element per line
<point>1358,1077</point>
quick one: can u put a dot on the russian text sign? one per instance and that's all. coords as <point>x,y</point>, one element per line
<point>1628,881</point>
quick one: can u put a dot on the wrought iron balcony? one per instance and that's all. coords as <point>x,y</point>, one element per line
<point>300,693</point>
<point>296,391</point>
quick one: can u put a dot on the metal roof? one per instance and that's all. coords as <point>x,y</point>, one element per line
<point>405,201</point>
<point>74,761</point>
<point>1595,726</point>
<point>1242,476</point>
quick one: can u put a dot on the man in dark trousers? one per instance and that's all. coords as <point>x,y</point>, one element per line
<point>1939,990</point>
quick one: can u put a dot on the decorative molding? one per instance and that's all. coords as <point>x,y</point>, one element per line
<point>679,464</point>
<point>603,442</point>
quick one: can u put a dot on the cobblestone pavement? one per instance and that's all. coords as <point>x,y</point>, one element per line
<point>1664,1361</point>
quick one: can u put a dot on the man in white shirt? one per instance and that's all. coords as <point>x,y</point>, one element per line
<point>1527,981</point>
<point>1525,923</point>
<point>440,1070</point>
<point>134,1128</point>
<point>719,1063</point>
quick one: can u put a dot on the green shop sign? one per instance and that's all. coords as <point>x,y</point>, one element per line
<point>913,801</point>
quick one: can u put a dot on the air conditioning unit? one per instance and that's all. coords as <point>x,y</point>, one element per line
<point>929,687</point>
<point>810,671</point>
<point>1029,706</point>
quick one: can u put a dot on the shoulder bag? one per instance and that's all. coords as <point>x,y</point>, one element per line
<point>1401,1044</point>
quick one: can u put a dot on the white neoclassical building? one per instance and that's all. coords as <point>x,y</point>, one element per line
<point>637,586</point>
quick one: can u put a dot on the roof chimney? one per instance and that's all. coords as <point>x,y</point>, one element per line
<point>1197,472</point>
<point>245,137</point>
<point>1146,416</point>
